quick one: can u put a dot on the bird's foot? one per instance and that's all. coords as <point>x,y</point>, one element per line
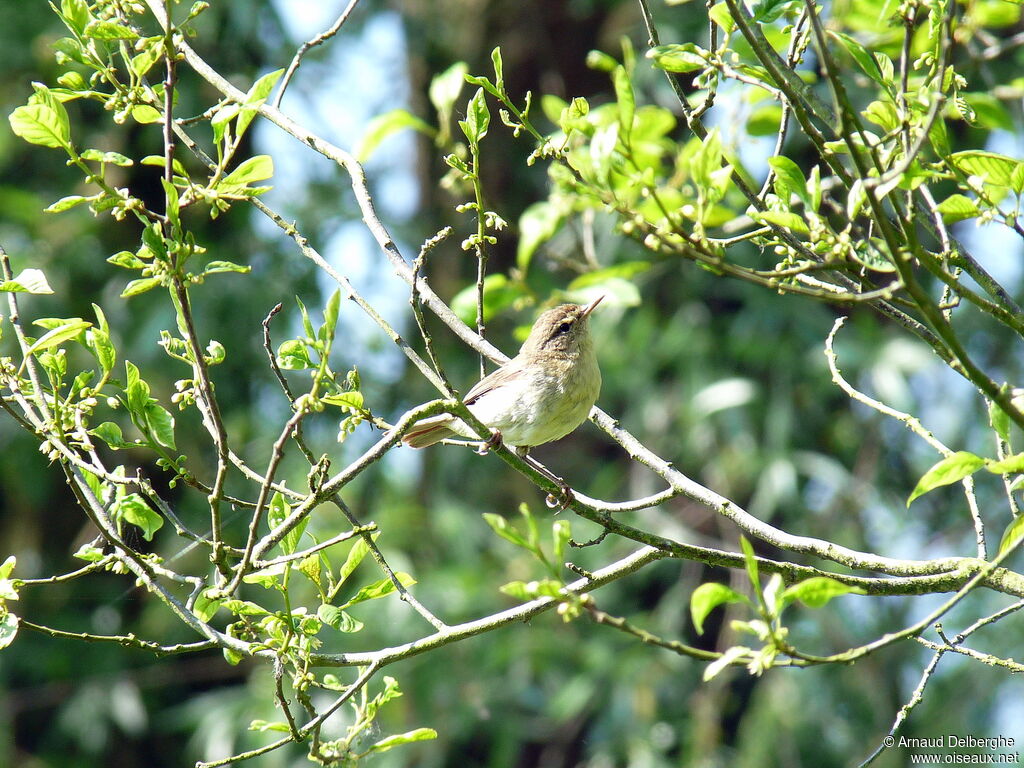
<point>493,442</point>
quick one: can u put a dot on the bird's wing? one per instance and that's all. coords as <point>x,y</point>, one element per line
<point>492,381</point>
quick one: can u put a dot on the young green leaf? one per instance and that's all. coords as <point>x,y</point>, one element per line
<point>503,528</point>
<point>818,590</point>
<point>707,597</point>
<point>1010,465</point>
<point>951,469</point>
<point>1012,535</point>
<point>41,124</point>
<point>958,207</point>
<point>478,117</point>
<point>420,734</point>
<point>160,424</point>
<point>134,509</point>
<point>27,281</point>
<point>382,126</point>
<point>110,433</point>
<point>337,618</point>
<point>380,589</point>
<point>8,629</point>
<point>750,561</point>
<point>726,659</point>
<point>686,57</point>
<point>59,335</point>
<point>356,554</point>
<point>626,100</point>
<point>994,168</point>
<point>789,180</point>
<point>205,607</point>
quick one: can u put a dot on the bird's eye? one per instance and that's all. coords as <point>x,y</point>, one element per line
<point>564,326</point>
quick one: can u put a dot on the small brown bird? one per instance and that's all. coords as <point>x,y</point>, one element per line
<point>540,395</point>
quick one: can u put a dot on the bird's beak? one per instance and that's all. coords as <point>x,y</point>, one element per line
<point>592,305</point>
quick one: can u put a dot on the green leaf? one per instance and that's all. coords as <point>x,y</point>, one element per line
<point>277,513</point>
<point>114,158</point>
<point>503,528</point>
<point>160,161</point>
<point>561,532</point>
<point>789,179</point>
<point>331,316</point>
<point>861,55</point>
<point>537,224</point>
<point>420,734</point>
<point>1012,535</point>
<point>444,92</point>
<point>626,101</point>
<point>146,114</point>
<point>8,629</point>
<point>767,11</point>
<point>89,553</point>
<point>225,266</point>
<point>818,590</point>
<point>257,94</point>
<point>27,281</point>
<point>719,14</point>
<point>355,557</point>
<point>337,618</point>
<point>382,126</point>
<point>707,597</point>
<point>205,607</point>
<point>271,577</point>
<point>380,589</point>
<point>686,57</point>
<point>253,169</point>
<point>727,658</point>
<point>142,62</point>
<point>1017,179</point>
<point>786,219</point>
<point>40,124</point>
<point>109,30</point>
<point>76,14</point>
<point>59,335</point>
<point>951,469</point>
<point>110,433</point>
<point>7,567</point>
<point>65,203</point>
<point>353,400</point>
<point>994,168</point>
<point>293,355</point>
<point>160,424</point>
<point>245,608</point>
<point>136,390</point>
<point>522,590</point>
<point>999,420</point>
<point>958,207</point>
<point>136,287</point>
<point>750,561</point>
<point>133,509</point>
<point>478,118</point>
<point>261,726</point>
<point>1009,465</point>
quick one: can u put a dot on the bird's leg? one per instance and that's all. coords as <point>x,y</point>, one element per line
<point>492,442</point>
<point>565,491</point>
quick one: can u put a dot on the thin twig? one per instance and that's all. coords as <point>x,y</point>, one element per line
<point>323,37</point>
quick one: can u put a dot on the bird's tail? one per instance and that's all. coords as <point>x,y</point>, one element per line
<point>428,432</point>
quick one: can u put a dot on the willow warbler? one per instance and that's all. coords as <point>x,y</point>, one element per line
<point>540,395</point>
